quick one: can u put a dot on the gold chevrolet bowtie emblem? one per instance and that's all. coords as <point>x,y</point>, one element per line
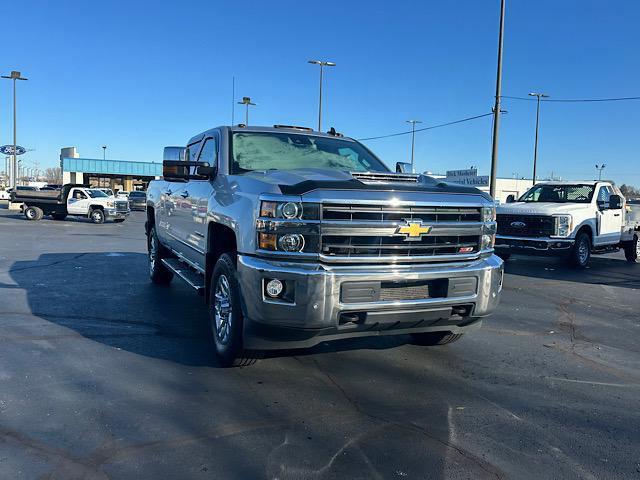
<point>414,230</point>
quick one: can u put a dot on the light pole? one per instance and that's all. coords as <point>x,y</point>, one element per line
<point>322,64</point>
<point>496,107</point>
<point>246,101</point>
<point>14,76</point>
<point>413,139</point>
<point>104,152</point>
<point>600,168</point>
<point>535,147</point>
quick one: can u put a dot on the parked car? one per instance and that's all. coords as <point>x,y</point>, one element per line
<point>138,200</point>
<point>122,194</point>
<point>296,237</point>
<point>570,219</point>
<point>71,200</point>
<point>5,194</point>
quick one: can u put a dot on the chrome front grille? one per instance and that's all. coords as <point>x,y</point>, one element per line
<point>122,206</point>
<point>373,231</point>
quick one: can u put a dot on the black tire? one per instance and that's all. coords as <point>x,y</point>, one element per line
<point>434,338</point>
<point>159,274</point>
<point>225,315</point>
<point>118,220</point>
<point>581,251</point>
<point>632,250</point>
<point>97,216</point>
<point>33,213</point>
<point>59,216</point>
<point>504,255</point>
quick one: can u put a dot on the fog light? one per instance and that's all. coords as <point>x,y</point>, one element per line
<point>291,242</point>
<point>274,288</point>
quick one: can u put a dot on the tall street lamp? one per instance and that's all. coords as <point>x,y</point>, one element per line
<point>104,152</point>
<point>413,138</point>
<point>246,101</point>
<point>14,76</point>
<point>322,64</point>
<point>600,168</point>
<point>496,107</point>
<point>535,147</point>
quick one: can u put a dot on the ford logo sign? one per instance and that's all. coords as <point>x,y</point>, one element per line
<point>8,150</point>
<point>518,224</point>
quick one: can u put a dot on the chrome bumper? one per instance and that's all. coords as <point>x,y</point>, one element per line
<point>318,309</point>
<point>113,213</point>
<point>534,245</point>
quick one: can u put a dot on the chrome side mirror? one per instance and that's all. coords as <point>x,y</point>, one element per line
<point>173,153</point>
<point>403,167</point>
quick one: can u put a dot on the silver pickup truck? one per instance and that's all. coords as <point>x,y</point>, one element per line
<point>295,237</point>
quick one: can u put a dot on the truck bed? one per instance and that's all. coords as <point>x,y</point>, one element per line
<point>44,196</point>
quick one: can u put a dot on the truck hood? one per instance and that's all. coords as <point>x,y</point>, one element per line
<point>303,180</point>
<point>541,208</point>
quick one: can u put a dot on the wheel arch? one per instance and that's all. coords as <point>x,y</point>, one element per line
<point>220,239</point>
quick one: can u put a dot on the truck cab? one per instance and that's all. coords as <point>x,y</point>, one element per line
<point>570,219</point>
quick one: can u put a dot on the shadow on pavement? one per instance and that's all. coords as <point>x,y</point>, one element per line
<point>287,418</point>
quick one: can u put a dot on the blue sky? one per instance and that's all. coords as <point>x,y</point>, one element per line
<point>140,75</point>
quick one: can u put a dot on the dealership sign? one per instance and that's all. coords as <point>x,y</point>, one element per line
<point>467,177</point>
<point>8,150</point>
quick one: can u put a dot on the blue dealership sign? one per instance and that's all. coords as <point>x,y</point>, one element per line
<point>8,150</point>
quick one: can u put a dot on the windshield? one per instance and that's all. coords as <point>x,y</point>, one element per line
<point>97,193</point>
<point>577,193</point>
<point>286,151</point>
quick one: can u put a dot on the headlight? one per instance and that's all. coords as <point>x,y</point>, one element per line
<point>563,225</point>
<point>111,204</point>
<point>488,214</point>
<point>289,242</point>
<point>287,210</point>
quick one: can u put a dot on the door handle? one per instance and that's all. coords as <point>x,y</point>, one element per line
<point>184,194</point>
<point>616,214</point>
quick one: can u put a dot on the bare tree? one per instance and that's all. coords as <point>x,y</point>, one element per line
<point>53,175</point>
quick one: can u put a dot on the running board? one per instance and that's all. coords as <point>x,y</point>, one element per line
<point>192,278</point>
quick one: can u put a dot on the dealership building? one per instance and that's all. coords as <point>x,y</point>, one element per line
<point>504,186</point>
<point>115,174</point>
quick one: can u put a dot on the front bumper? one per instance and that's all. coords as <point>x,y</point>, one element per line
<point>543,246</point>
<point>331,302</point>
<point>112,214</point>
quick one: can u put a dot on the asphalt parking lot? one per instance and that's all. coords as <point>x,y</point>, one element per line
<point>103,375</point>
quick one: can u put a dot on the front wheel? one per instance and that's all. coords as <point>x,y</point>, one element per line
<point>225,314</point>
<point>581,252</point>
<point>97,216</point>
<point>434,338</point>
<point>632,250</point>
<point>33,213</point>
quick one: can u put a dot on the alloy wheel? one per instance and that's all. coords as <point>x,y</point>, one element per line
<point>223,311</point>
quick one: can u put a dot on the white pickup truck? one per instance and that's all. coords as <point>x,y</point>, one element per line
<point>571,219</point>
<point>72,199</point>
